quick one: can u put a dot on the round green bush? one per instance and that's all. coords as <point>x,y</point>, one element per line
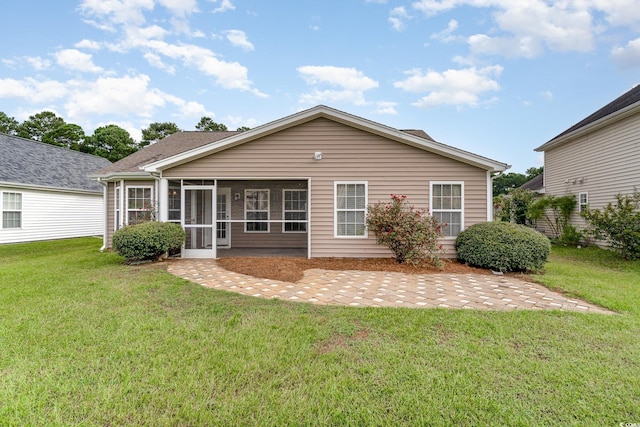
<point>148,240</point>
<point>502,246</point>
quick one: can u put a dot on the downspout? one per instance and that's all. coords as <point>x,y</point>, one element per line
<point>490,192</point>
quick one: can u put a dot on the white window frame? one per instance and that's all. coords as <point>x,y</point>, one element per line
<point>441,210</point>
<point>299,223</point>
<point>268,211</point>
<point>10,209</point>
<point>582,206</point>
<point>136,187</point>
<point>365,233</point>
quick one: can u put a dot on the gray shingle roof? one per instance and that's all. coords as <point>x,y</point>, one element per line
<point>33,163</point>
<point>173,144</point>
<point>626,99</point>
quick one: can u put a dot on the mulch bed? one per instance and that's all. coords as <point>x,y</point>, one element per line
<point>289,269</point>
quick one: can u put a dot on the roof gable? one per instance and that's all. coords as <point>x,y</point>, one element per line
<point>25,162</point>
<point>627,103</point>
<point>413,138</point>
<point>168,147</point>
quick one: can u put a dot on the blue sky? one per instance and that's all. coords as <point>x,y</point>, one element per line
<point>494,77</point>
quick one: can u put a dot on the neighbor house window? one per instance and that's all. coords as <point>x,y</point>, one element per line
<point>295,209</point>
<point>351,209</point>
<point>139,205</point>
<point>256,211</point>
<point>583,202</point>
<point>11,210</point>
<point>447,206</point>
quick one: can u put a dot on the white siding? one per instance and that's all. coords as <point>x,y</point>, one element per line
<point>607,161</point>
<point>48,215</point>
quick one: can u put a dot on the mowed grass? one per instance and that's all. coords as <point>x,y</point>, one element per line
<point>85,340</point>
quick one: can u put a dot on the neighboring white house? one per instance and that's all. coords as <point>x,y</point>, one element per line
<point>45,192</point>
<point>597,158</point>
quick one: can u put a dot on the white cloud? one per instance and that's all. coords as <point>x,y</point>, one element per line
<point>447,35</point>
<point>155,61</point>
<point>180,7</point>
<point>397,16</point>
<point>351,84</point>
<point>527,47</point>
<point>32,90</point>
<point>525,28</point>
<point>384,107</point>
<point>451,87</point>
<point>225,5</point>
<point>130,18</point>
<point>38,63</point>
<point>87,44</point>
<point>627,56</point>
<point>120,96</point>
<point>239,39</point>
<point>75,60</point>
<point>117,12</point>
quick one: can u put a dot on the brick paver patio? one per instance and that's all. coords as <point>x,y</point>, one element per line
<point>386,289</point>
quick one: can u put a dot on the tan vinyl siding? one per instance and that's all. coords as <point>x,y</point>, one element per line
<point>349,154</point>
<point>608,160</point>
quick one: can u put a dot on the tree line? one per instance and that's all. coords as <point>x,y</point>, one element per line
<point>111,141</point>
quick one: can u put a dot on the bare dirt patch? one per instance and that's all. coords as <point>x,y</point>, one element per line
<point>289,269</point>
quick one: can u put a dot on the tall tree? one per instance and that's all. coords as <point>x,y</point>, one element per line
<point>68,135</point>
<point>8,125</point>
<point>533,172</point>
<point>111,142</point>
<point>207,124</point>
<point>39,124</point>
<point>157,131</point>
<point>243,129</point>
<point>508,181</point>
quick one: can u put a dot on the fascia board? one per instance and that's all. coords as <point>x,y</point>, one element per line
<point>338,116</point>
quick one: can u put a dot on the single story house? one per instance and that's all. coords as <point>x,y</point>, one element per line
<point>598,157</point>
<point>46,192</point>
<point>301,182</point>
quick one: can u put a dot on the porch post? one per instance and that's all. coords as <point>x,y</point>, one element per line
<point>163,200</point>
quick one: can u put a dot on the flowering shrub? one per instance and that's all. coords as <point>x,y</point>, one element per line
<point>410,233</point>
<point>618,224</point>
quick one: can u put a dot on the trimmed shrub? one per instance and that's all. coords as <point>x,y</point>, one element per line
<point>502,246</point>
<point>148,240</point>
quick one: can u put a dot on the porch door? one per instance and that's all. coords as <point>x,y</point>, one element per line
<point>197,220</point>
<point>223,212</point>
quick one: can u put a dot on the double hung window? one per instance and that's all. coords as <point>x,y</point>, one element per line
<point>294,209</point>
<point>256,211</point>
<point>11,210</point>
<point>350,209</point>
<point>447,206</point>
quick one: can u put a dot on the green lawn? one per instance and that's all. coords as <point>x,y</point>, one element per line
<point>87,341</point>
